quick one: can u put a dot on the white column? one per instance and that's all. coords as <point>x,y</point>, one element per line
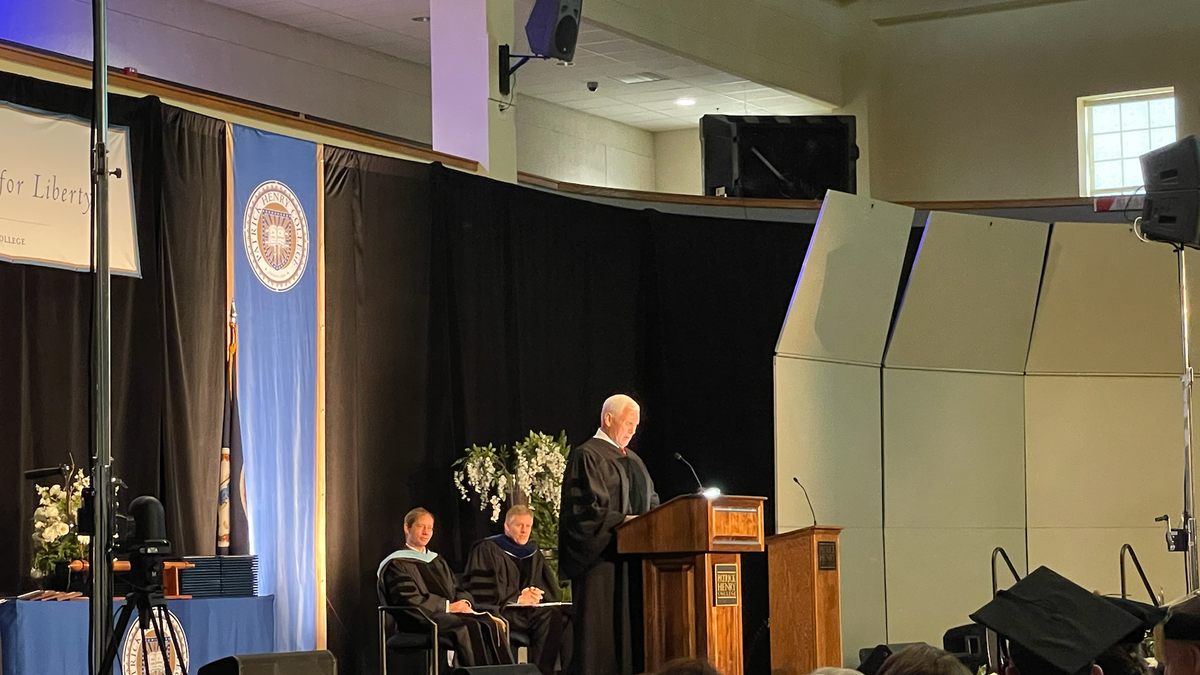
<point>470,119</point>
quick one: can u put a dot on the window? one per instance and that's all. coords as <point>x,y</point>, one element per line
<point>1114,131</point>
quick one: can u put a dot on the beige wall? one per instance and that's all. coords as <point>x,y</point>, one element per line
<point>677,163</point>
<point>568,145</point>
<point>984,106</point>
<point>210,47</point>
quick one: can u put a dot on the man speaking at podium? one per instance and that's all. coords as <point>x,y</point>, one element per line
<point>605,482</point>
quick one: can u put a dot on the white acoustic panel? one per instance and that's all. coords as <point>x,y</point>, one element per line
<point>842,306</point>
<point>971,296</point>
<point>1109,304</point>
<point>953,449</point>
<point>936,577</point>
<point>864,608</point>
<point>1090,558</point>
<point>1103,452</point>
<point>827,434</point>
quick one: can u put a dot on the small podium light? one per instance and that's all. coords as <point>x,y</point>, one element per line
<point>711,493</point>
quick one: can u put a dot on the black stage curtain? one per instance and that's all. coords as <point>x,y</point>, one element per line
<point>168,335</point>
<point>384,455</point>
<point>462,310</point>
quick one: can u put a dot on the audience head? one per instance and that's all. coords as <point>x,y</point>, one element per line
<point>923,660</point>
<point>1054,626</point>
<point>518,523</point>
<point>418,528</point>
<point>689,667</point>
<point>1125,657</point>
<point>1177,642</point>
<point>619,418</point>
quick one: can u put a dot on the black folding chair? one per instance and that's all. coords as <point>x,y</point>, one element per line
<point>415,632</point>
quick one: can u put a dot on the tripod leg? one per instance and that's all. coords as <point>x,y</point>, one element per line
<point>114,642</point>
<point>175,644</point>
<point>158,619</point>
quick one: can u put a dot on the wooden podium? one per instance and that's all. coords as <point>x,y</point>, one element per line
<point>692,577</point>
<point>805,600</point>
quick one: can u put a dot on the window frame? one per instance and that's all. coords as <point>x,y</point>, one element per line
<point>1083,105</point>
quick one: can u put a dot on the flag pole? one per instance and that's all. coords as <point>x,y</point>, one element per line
<point>101,560</point>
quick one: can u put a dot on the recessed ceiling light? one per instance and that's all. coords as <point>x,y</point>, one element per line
<point>564,64</point>
<point>638,78</point>
<point>421,19</point>
<point>685,101</point>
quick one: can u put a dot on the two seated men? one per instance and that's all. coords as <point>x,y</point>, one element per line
<point>508,584</point>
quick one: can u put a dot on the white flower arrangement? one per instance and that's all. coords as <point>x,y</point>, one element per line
<point>55,533</point>
<point>484,471</point>
<point>533,470</point>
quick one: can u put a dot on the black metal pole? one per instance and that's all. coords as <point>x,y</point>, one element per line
<point>101,557</point>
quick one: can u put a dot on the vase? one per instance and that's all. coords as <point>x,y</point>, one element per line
<point>64,579</point>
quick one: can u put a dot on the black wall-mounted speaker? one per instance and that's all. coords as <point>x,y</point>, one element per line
<point>553,28</point>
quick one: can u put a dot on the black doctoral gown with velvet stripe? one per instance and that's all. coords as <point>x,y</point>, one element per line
<point>497,571</point>
<point>478,638</point>
<point>601,486</point>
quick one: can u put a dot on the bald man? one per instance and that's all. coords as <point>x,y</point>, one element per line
<point>605,483</point>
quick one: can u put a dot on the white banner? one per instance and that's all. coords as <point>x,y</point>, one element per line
<point>46,192</point>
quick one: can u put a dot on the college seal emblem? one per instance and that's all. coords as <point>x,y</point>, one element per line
<point>141,653</point>
<point>275,233</point>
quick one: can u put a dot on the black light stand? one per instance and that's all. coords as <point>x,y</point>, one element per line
<point>100,564</point>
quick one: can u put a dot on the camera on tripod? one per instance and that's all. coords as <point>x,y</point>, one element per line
<point>147,547</point>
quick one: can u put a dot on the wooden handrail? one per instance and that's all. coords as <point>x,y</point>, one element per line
<point>224,104</point>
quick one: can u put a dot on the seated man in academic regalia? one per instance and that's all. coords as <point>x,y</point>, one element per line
<point>417,576</point>
<point>1055,627</point>
<point>507,570</point>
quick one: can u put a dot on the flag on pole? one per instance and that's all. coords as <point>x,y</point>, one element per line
<point>233,527</point>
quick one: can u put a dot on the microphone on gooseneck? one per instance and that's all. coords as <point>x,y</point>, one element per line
<point>810,506</point>
<point>699,485</point>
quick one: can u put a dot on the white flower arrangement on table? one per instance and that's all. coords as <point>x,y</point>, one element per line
<point>55,528</point>
<point>533,470</point>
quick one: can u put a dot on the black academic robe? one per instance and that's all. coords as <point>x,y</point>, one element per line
<point>478,638</point>
<point>495,579</point>
<point>601,486</point>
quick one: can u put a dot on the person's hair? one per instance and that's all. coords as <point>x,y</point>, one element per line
<point>1121,659</point>
<point>616,404</point>
<point>411,517</point>
<point>923,660</point>
<point>517,510</point>
<point>699,666</point>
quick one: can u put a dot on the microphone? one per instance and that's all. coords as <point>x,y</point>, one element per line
<point>699,485</point>
<point>711,493</point>
<point>810,507</point>
<point>33,474</point>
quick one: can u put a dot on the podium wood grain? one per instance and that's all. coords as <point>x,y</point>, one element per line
<point>805,601</point>
<point>682,542</point>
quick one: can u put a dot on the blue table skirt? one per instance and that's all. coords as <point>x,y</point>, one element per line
<point>50,638</point>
